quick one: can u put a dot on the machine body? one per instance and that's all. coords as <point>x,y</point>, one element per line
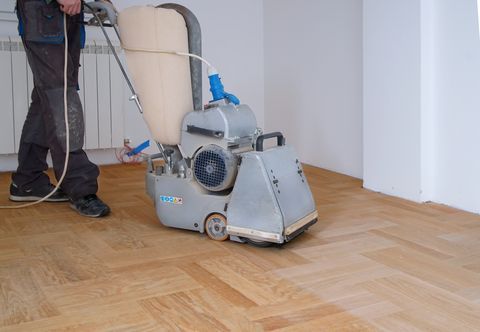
<point>221,169</point>
<point>217,177</point>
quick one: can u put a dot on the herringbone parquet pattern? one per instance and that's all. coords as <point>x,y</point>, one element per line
<point>371,263</point>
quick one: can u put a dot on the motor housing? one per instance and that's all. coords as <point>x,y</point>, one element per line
<point>215,168</point>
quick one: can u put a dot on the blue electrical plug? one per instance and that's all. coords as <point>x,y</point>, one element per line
<point>217,89</point>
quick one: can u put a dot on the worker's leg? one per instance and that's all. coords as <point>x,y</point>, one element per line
<point>29,182</point>
<point>33,149</point>
<point>46,58</point>
<point>82,174</point>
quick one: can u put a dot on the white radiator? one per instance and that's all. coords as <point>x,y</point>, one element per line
<point>103,93</point>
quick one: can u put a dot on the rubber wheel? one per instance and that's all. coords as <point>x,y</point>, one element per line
<point>257,243</point>
<point>216,227</point>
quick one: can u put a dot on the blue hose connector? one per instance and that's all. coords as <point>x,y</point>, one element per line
<point>139,149</point>
<point>218,92</point>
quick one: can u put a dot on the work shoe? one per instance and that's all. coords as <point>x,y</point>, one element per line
<point>90,206</point>
<point>35,194</point>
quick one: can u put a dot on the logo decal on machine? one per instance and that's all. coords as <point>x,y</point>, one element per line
<point>171,200</point>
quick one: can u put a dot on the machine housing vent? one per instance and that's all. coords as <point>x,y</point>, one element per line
<point>215,168</point>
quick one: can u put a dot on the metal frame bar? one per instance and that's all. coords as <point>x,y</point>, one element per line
<point>134,96</point>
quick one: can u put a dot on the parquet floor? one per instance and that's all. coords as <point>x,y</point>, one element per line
<point>371,263</point>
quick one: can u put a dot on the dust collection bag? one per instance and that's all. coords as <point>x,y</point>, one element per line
<point>162,81</point>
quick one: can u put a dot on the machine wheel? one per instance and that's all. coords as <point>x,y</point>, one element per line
<point>257,243</point>
<point>216,227</point>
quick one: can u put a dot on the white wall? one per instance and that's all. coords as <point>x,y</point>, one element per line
<point>478,11</point>
<point>8,24</point>
<point>313,79</point>
<point>232,42</point>
<point>422,100</point>
<point>457,90</point>
<point>428,169</point>
<point>392,97</point>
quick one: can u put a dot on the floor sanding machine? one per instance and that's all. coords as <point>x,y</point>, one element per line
<point>219,175</point>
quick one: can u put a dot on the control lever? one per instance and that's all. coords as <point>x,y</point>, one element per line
<point>103,10</point>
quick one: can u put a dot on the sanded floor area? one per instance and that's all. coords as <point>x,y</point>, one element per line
<point>371,263</point>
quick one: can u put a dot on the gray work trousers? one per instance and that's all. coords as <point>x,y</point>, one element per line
<point>41,27</point>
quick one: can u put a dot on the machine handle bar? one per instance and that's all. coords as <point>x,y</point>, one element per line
<point>109,11</point>
<point>261,138</point>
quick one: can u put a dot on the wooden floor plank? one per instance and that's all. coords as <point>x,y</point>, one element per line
<point>371,263</point>
<point>21,297</point>
<point>415,295</point>
<point>435,272</point>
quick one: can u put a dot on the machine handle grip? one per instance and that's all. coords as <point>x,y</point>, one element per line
<point>261,138</point>
<point>102,9</point>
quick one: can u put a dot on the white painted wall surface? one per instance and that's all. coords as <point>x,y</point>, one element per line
<point>478,11</point>
<point>313,79</point>
<point>392,97</point>
<point>428,121</point>
<point>422,100</point>
<point>232,42</point>
<point>7,19</point>
<point>457,89</point>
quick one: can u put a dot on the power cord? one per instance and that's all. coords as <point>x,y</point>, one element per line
<point>211,69</point>
<point>67,128</point>
<point>124,158</point>
<point>216,87</point>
